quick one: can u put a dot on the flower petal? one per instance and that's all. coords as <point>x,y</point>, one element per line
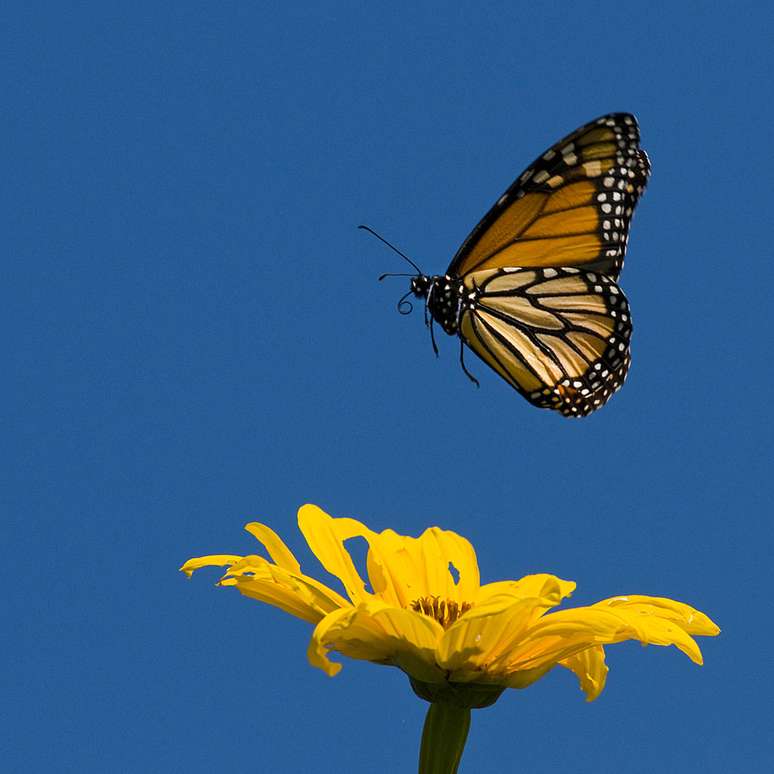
<point>373,631</point>
<point>525,677</point>
<point>562,634</point>
<point>529,586</point>
<point>215,560</point>
<point>688,618</point>
<point>297,594</point>
<point>484,637</point>
<point>590,668</point>
<point>404,569</point>
<point>256,577</point>
<point>275,546</point>
<point>325,536</point>
<point>465,647</point>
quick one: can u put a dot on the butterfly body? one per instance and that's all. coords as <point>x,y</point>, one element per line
<point>444,298</point>
<point>533,289</point>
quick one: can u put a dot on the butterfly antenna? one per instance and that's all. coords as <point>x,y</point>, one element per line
<point>392,247</point>
<point>393,274</point>
<point>404,306</point>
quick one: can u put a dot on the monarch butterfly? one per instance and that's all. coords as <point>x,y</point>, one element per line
<point>532,290</point>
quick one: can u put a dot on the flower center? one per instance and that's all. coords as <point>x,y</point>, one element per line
<point>445,611</point>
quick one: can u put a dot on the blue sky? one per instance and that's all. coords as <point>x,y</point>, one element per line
<point>195,338</point>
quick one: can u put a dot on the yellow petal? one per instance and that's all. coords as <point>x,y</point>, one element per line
<point>469,644</point>
<point>404,569</point>
<point>255,577</point>
<point>317,652</point>
<point>274,545</point>
<point>298,595</point>
<point>215,560</point>
<point>325,536</point>
<point>590,668</point>
<point>559,635</point>
<point>525,677</point>
<point>456,551</point>
<point>691,620</point>
<point>538,585</point>
<point>373,631</point>
<point>650,628</point>
<point>484,637</point>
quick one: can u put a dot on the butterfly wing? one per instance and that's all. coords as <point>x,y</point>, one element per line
<point>571,207</point>
<point>560,336</point>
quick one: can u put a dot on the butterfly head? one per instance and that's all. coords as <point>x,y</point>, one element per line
<point>420,285</point>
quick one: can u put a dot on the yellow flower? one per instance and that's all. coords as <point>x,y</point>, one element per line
<point>427,613</point>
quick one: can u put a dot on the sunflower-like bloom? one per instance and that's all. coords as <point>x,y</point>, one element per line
<point>427,613</point>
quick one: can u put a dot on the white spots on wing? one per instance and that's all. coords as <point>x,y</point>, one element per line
<point>541,177</point>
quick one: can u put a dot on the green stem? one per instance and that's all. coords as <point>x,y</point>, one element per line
<point>443,738</point>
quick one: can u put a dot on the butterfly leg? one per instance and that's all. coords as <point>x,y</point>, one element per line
<point>462,363</point>
<point>429,319</point>
<point>432,337</point>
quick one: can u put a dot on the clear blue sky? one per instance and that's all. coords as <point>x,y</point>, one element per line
<point>194,338</point>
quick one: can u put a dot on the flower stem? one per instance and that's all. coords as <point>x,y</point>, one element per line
<point>443,738</point>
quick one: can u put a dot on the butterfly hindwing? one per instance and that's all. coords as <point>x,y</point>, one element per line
<point>558,335</point>
<point>571,207</point>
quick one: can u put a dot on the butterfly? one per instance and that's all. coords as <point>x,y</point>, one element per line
<point>532,290</point>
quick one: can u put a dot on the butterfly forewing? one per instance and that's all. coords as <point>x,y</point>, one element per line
<point>571,207</point>
<point>560,336</point>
